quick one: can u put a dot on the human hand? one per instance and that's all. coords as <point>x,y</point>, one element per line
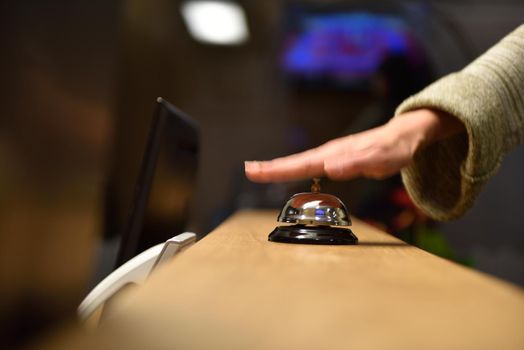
<point>376,153</point>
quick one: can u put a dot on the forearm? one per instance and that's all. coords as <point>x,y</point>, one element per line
<point>446,176</point>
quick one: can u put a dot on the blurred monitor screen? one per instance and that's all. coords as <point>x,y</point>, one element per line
<point>340,47</point>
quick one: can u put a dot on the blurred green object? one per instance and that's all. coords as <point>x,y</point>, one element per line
<point>433,241</point>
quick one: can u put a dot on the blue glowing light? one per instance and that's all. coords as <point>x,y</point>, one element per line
<point>320,212</point>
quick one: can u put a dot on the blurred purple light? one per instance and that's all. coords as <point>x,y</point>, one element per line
<point>345,46</point>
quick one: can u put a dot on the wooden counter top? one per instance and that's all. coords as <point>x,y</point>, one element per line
<point>236,290</point>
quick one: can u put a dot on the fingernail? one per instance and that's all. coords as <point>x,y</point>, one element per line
<point>251,166</point>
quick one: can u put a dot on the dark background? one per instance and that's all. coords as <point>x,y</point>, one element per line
<point>78,81</point>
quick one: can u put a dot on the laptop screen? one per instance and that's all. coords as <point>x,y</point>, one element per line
<point>165,182</point>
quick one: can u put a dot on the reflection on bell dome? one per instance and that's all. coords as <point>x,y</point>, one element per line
<point>315,209</point>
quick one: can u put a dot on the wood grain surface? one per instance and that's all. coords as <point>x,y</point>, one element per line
<point>236,290</point>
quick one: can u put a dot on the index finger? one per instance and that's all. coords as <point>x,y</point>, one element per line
<point>294,167</point>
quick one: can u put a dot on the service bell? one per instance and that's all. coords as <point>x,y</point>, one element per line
<point>318,218</point>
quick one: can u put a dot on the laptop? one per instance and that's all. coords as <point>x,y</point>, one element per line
<point>165,183</point>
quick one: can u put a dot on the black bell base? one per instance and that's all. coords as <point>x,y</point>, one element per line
<point>313,235</point>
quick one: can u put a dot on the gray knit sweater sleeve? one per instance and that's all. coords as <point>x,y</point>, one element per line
<point>488,97</point>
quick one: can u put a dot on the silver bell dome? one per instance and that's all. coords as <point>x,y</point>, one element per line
<point>315,208</point>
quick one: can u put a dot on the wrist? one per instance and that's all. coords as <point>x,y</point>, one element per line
<point>425,126</point>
